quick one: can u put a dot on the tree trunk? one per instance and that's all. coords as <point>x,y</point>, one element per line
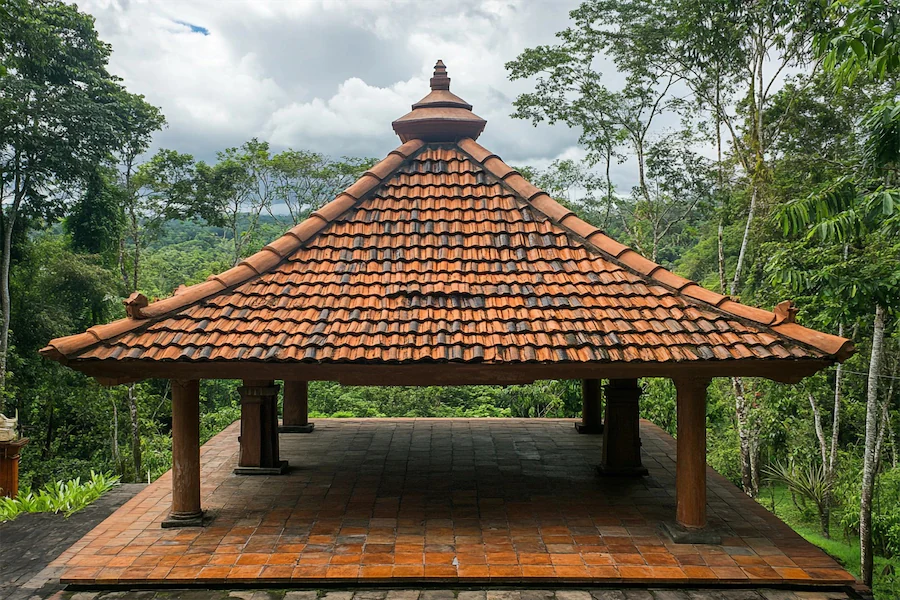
<point>122,268</point>
<point>754,459</point>
<point>745,241</point>
<point>742,411</point>
<point>869,458</point>
<point>135,432</point>
<point>836,417</point>
<point>720,241</point>
<point>8,222</point>
<point>824,511</point>
<point>115,434</point>
<point>48,436</point>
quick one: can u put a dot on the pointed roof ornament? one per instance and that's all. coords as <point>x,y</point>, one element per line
<point>441,116</point>
<point>440,81</point>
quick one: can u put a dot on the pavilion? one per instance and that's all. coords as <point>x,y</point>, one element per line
<point>442,265</point>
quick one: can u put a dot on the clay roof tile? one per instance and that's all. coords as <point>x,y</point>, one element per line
<point>442,252</point>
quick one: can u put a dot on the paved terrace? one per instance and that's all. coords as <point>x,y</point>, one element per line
<point>443,501</point>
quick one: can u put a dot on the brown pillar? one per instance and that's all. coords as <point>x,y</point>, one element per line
<point>690,458</point>
<point>591,410</point>
<point>9,467</point>
<point>295,416</point>
<point>622,431</point>
<point>259,453</point>
<point>186,511</point>
<point>690,465</point>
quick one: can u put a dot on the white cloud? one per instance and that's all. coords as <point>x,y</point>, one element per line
<point>327,76</point>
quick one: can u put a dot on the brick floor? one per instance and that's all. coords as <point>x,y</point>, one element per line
<point>461,501</point>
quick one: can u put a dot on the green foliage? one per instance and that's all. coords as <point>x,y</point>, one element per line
<point>844,549</point>
<point>885,516</point>
<point>857,38</point>
<point>810,482</point>
<point>67,497</point>
<point>541,399</point>
<point>95,221</point>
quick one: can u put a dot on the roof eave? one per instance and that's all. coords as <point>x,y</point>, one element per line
<point>113,372</point>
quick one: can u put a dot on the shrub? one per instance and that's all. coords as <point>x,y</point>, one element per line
<point>67,497</point>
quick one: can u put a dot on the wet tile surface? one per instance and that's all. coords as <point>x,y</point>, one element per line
<point>442,500</point>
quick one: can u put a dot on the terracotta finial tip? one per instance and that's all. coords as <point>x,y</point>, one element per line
<point>440,81</point>
<point>134,305</point>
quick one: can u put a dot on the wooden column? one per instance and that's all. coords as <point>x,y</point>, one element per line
<point>295,415</point>
<point>9,467</point>
<point>591,407</point>
<point>690,465</point>
<point>622,431</point>
<point>259,430</point>
<point>186,511</point>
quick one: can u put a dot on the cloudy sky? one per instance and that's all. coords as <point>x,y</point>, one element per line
<point>327,76</point>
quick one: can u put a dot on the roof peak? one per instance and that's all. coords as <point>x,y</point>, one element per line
<point>440,80</point>
<point>441,116</point>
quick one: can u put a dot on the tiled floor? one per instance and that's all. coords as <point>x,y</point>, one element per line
<point>500,501</point>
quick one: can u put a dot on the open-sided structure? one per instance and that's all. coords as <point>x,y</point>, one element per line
<point>443,265</point>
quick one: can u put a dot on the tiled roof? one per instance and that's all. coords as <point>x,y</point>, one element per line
<point>442,252</point>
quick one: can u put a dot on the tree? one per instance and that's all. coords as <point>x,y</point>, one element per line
<point>306,180</point>
<point>57,118</point>
<point>162,189</point>
<point>857,38</point>
<point>237,189</point>
<point>574,185</point>
<point>569,90</point>
<point>95,220</point>
<point>862,211</point>
<point>165,189</point>
<point>138,120</point>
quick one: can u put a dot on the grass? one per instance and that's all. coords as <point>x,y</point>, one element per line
<point>67,497</point>
<point>844,549</point>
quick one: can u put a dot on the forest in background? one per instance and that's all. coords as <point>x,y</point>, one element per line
<point>780,182</point>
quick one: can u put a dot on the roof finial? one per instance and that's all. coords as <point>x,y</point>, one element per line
<point>441,116</point>
<point>440,81</point>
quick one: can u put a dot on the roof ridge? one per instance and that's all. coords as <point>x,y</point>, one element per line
<point>270,256</point>
<point>838,347</point>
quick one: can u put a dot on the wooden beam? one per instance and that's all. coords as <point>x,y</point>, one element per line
<point>434,373</point>
<point>591,407</point>
<point>690,458</point>
<point>186,510</point>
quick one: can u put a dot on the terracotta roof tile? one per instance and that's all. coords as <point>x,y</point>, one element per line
<point>442,252</point>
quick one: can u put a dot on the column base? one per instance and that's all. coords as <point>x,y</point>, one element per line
<point>691,535</point>
<point>296,428</point>
<point>605,471</point>
<point>185,520</point>
<point>588,429</point>
<point>280,469</point>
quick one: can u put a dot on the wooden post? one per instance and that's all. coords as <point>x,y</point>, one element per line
<point>295,416</point>
<point>591,408</point>
<point>259,453</point>
<point>690,458</point>
<point>622,431</point>
<point>9,467</point>
<point>690,465</point>
<point>186,511</point>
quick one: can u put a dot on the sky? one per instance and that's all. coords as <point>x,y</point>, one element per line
<point>328,76</point>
